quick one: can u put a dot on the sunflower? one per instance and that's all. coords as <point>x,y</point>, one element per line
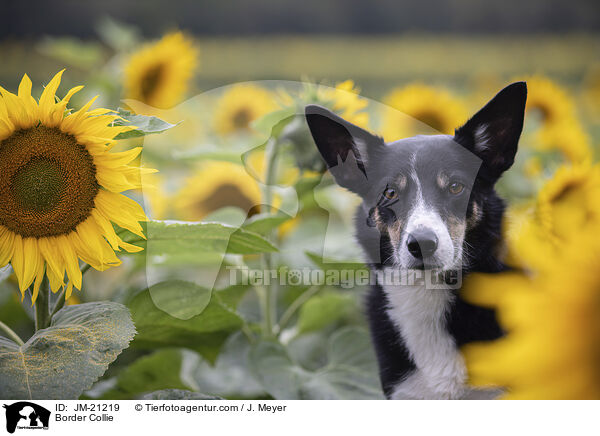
<point>159,73</point>
<point>566,205</point>
<point>61,188</point>
<point>550,307</point>
<point>421,103</point>
<point>215,185</point>
<point>345,99</point>
<point>552,348</point>
<point>558,129</point>
<point>240,105</point>
<point>568,138</point>
<point>549,101</point>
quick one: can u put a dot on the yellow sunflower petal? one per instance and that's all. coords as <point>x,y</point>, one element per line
<point>130,213</point>
<point>6,245</point>
<point>71,122</point>
<point>68,290</point>
<point>31,262</point>
<point>107,229</point>
<point>486,289</point>
<point>70,94</point>
<point>47,99</point>
<point>18,260</point>
<point>71,262</point>
<point>56,279</point>
<point>39,277</point>
<point>24,94</point>
<point>115,160</point>
<point>16,109</point>
<point>52,255</point>
<point>130,248</point>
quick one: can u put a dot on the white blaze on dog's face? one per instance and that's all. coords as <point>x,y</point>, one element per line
<point>426,240</point>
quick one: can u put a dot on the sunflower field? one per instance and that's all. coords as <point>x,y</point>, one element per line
<point>162,206</point>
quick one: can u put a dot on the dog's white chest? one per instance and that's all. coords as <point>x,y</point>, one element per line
<point>420,316</point>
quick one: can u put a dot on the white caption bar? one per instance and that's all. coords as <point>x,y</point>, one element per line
<point>307,418</point>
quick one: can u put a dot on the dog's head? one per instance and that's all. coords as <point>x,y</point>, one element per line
<point>424,194</point>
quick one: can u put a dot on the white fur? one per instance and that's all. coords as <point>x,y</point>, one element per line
<point>424,216</point>
<point>419,314</point>
<point>362,148</point>
<point>482,138</point>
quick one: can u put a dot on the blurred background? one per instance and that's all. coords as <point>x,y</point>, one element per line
<point>379,44</point>
<point>379,64</point>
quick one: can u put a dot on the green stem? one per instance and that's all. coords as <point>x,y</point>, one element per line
<point>263,299</point>
<point>271,156</point>
<point>42,313</point>
<point>296,304</point>
<point>60,302</point>
<point>248,333</point>
<point>268,295</point>
<point>15,337</point>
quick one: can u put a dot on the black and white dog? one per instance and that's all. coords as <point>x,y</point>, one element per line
<point>429,205</point>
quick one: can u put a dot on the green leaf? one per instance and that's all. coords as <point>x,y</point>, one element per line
<point>230,377</point>
<point>276,371</point>
<point>229,215</point>
<point>323,310</point>
<point>159,370</point>
<point>330,264</point>
<point>177,394</point>
<point>174,237</point>
<point>274,122</point>
<point>350,373</point>
<point>204,333</point>
<point>305,186</point>
<point>180,299</point>
<point>144,125</point>
<point>263,223</point>
<point>64,359</point>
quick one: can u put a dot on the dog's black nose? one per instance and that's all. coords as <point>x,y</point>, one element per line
<point>421,243</point>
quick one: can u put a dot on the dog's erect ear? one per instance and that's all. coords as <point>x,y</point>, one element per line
<point>493,132</point>
<point>346,148</point>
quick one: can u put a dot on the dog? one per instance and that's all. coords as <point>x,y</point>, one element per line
<point>429,207</point>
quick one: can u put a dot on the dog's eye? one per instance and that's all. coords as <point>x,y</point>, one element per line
<point>390,193</point>
<point>456,188</point>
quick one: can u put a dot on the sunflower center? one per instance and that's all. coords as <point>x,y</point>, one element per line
<point>541,113</point>
<point>241,119</point>
<point>225,195</point>
<point>569,210</point>
<point>49,182</point>
<point>38,184</point>
<point>151,80</point>
<point>432,120</point>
